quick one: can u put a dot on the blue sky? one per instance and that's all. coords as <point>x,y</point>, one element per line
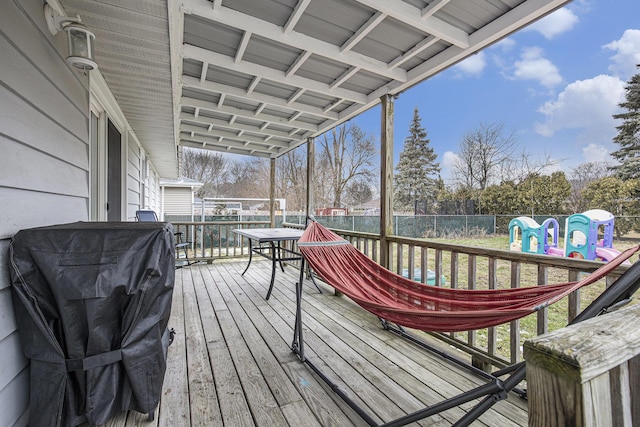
<point>555,84</point>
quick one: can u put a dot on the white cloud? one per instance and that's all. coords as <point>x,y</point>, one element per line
<point>505,44</point>
<point>560,21</point>
<point>473,65</point>
<point>534,66</point>
<point>627,55</point>
<point>449,159</point>
<point>586,105</point>
<point>595,153</point>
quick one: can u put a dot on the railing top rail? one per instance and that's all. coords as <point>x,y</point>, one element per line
<point>528,258</point>
<point>220,222</point>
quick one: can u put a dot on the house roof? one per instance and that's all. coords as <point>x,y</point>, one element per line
<point>260,77</point>
<point>181,182</point>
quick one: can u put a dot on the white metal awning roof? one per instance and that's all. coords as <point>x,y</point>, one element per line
<point>258,77</point>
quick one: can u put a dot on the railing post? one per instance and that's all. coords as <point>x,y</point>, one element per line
<point>386,178</point>
<point>272,192</point>
<point>582,375</point>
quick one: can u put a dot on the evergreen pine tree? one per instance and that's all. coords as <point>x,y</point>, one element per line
<point>417,172</point>
<point>628,137</point>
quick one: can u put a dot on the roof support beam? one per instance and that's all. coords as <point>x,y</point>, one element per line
<point>295,16</point>
<point>208,86</point>
<point>243,46</point>
<point>226,146</point>
<point>412,16</point>
<point>262,72</point>
<point>343,78</point>
<point>363,31</point>
<point>219,123</point>
<point>298,63</point>
<point>231,142</point>
<point>295,39</point>
<point>256,115</point>
<point>231,133</point>
<point>433,7</point>
<point>424,44</point>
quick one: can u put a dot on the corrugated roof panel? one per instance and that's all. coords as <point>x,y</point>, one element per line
<point>191,68</point>
<point>312,120</point>
<point>278,112</point>
<point>274,11</point>
<point>424,55</point>
<point>272,88</point>
<point>210,114</point>
<point>321,69</point>
<point>270,53</point>
<point>249,122</point>
<point>316,99</point>
<point>333,21</point>
<point>242,104</point>
<point>389,39</point>
<point>227,77</point>
<point>211,35</point>
<point>201,95</point>
<point>365,82</point>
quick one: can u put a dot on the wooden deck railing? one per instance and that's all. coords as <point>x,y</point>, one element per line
<point>450,265</point>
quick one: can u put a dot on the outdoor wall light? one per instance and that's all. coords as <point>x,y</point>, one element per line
<point>79,38</point>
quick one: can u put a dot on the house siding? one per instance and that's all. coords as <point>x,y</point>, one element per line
<point>134,178</point>
<point>153,195</point>
<point>178,201</point>
<point>45,166</point>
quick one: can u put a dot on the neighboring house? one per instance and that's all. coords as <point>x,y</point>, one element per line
<point>178,197</point>
<point>372,207</point>
<point>331,212</point>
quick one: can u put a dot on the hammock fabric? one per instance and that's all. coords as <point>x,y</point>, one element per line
<point>408,303</point>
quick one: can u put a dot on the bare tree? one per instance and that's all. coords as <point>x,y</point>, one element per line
<point>358,193</point>
<point>346,153</point>
<point>523,165</point>
<point>483,155</point>
<point>249,178</point>
<point>291,178</point>
<point>581,176</point>
<point>206,167</point>
<point>489,155</point>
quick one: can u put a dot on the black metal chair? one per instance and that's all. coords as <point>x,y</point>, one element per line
<point>182,247</point>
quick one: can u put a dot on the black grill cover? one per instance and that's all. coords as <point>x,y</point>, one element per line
<point>92,301</point>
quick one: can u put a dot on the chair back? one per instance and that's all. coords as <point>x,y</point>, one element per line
<point>146,216</point>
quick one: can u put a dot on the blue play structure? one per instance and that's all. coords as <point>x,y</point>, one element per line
<point>526,235</point>
<point>589,235</point>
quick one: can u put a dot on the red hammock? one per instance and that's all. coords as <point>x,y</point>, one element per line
<point>415,305</point>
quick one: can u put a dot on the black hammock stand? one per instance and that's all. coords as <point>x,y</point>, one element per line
<point>617,295</point>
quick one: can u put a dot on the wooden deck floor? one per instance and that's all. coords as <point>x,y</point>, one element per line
<point>231,362</point>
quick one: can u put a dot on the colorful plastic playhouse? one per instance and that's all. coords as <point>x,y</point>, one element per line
<point>589,235</point>
<point>526,235</point>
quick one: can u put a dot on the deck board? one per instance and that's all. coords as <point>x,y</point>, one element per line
<point>231,363</point>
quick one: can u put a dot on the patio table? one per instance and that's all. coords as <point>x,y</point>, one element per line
<point>267,242</point>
